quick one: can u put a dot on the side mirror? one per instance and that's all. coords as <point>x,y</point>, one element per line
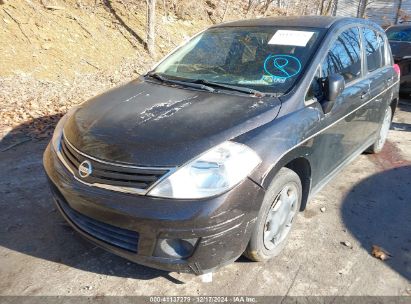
<point>333,87</point>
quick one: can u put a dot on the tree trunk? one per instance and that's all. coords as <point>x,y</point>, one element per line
<point>252,4</point>
<point>361,8</point>
<point>267,5</point>
<point>397,15</point>
<point>329,9</point>
<point>335,8</point>
<point>165,8</point>
<point>249,5</point>
<point>151,22</point>
<point>322,7</point>
<point>227,4</point>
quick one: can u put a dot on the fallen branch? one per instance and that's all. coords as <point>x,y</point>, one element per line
<point>88,62</point>
<point>54,7</point>
<point>79,23</point>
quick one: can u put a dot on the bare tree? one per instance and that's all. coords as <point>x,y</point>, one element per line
<point>322,5</point>
<point>251,5</point>
<point>328,7</point>
<point>267,5</point>
<point>397,15</point>
<point>335,8</point>
<point>362,7</point>
<point>151,16</point>
<point>165,8</point>
<point>227,5</point>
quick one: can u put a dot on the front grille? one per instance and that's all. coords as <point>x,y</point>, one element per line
<point>115,236</point>
<point>104,173</point>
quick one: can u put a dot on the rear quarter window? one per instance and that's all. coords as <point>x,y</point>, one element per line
<point>374,49</point>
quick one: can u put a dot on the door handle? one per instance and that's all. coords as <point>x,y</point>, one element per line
<point>364,94</point>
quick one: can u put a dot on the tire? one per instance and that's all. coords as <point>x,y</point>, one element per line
<point>378,145</point>
<point>275,204</point>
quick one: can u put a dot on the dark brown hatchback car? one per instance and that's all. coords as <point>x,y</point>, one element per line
<point>213,153</point>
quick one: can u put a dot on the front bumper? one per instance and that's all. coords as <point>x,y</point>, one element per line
<point>222,224</point>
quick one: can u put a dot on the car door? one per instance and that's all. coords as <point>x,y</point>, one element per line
<point>380,75</point>
<point>341,134</point>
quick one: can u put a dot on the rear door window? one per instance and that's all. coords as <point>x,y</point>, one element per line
<point>399,34</point>
<point>374,49</point>
<point>344,56</point>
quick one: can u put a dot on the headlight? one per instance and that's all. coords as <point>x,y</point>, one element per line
<point>58,131</point>
<point>212,173</point>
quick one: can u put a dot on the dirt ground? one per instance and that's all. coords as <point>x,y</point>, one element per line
<point>368,203</point>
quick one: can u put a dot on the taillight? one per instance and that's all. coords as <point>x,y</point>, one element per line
<point>397,69</point>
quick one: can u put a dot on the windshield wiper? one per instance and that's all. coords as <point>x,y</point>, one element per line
<point>206,85</point>
<point>202,86</point>
<point>231,87</point>
<point>156,76</point>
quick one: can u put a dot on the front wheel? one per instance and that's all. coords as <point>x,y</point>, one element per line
<point>281,204</point>
<point>383,134</point>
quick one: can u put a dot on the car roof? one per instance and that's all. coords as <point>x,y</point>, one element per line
<point>297,21</point>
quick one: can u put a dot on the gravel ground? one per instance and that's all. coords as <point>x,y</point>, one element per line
<point>368,203</point>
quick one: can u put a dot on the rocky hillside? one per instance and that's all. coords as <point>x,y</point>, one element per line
<point>58,53</point>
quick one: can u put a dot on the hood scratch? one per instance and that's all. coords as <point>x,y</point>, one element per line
<point>132,97</point>
<point>164,109</point>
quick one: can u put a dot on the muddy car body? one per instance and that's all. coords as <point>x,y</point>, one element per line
<point>186,174</point>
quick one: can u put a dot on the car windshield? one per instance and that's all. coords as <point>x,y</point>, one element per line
<point>399,34</point>
<point>267,59</point>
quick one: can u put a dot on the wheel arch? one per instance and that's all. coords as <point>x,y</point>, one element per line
<point>393,105</point>
<point>298,161</point>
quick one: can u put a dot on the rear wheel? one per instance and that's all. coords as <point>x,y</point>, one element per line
<point>280,206</point>
<point>382,136</point>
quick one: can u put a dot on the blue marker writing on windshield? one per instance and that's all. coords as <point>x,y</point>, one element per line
<point>280,63</point>
<point>282,66</point>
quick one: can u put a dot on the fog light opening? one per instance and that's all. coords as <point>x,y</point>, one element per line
<point>175,248</point>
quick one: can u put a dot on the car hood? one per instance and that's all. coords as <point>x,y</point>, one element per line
<point>149,124</point>
<point>400,49</point>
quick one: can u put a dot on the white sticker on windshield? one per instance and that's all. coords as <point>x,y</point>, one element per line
<point>286,37</point>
